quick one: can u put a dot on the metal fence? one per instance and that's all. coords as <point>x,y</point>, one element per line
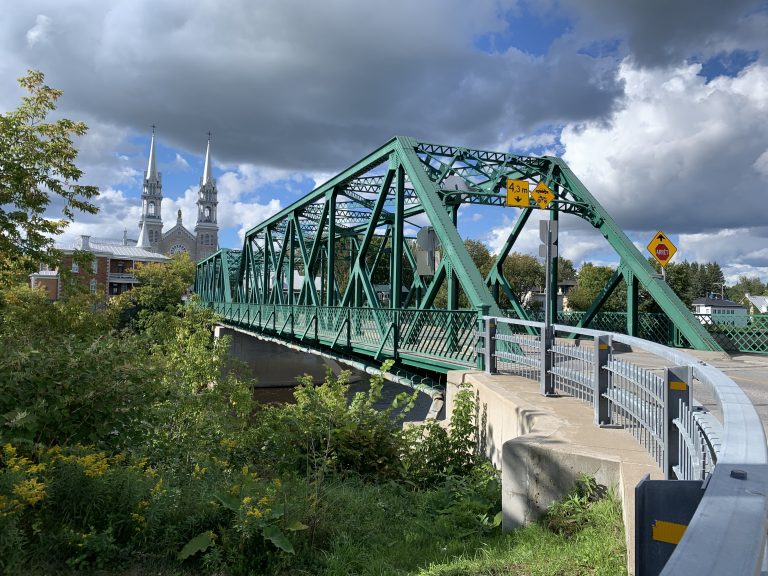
<point>435,339</point>
<point>748,334</point>
<point>718,469</point>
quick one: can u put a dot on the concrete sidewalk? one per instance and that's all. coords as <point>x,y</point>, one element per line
<point>542,445</point>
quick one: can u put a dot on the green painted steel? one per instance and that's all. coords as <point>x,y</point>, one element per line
<point>336,267</point>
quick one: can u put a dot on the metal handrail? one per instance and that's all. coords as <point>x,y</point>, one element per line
<point>727,533</point>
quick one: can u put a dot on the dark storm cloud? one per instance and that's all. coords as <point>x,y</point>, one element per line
<point>304,85</point>
<point>663,32</point>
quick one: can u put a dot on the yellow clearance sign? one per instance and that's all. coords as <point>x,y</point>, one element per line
<point>662,248</point>
<point>517,193</point>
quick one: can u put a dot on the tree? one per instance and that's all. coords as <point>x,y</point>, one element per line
<point>524,273</point>
<point>746,285</point>
<point>37,167</point>
<point>161,285</point>
<point>591,280</point>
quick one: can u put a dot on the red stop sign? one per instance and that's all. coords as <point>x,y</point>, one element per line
<point>662,252</point>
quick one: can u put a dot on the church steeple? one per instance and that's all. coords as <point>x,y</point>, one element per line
<point>152,165</point>
<point>207,174</point>
<point>207,228</point>
<point>151,222</point>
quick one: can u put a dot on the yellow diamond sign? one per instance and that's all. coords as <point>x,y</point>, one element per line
<point>662,248</point>
<point>517,193</point>
<point>542,195</point>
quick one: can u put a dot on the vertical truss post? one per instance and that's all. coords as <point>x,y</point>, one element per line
<point>396,255</point>
<point>632,301</point>
<point>291,250</point>
<point>677,388</point>
<point>600,379</point>
<point>330,283</point>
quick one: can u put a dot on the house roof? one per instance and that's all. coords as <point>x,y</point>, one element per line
<point>761,302</point>
<point>718,302</point>
<point>131,252</point>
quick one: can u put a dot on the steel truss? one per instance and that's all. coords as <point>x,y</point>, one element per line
<point>344,244</point>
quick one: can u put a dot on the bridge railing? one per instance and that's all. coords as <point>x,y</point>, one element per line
<point>437,339</point>
<point>710,514</point>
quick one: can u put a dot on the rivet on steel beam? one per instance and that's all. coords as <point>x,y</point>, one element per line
<point>739,474</point>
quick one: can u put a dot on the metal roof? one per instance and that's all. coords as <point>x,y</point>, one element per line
<point>721,302</point>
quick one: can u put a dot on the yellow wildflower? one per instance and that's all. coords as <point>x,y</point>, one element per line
<point>30,490</point>
<point>247,500</point>
<point>255,512</point>
<point>10,450</point>
<point>264,500</point>
<point>157,487</point>
<point>278,484</point>
<point>235,489</point>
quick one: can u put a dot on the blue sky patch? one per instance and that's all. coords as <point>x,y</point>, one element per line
<point>727,64</point>
<point>527,30</point>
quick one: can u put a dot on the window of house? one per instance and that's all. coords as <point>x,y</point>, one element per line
<point>93,286</point>
<point>75,267</point>
<point>95,266</point>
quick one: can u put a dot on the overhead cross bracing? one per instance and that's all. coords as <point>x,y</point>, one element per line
<point>344,245</point>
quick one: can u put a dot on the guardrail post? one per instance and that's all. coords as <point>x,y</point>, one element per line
<point>676,387</point>
<point>396,332</point>
<point>482,311</point>
<point>490,346</point>
<point>547,386</point>
<point>600,379</point>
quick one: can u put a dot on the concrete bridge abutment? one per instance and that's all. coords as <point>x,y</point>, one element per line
<point>542,445</point>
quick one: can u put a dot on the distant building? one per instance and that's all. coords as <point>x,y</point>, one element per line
<point>535,298</point>
<point>110,270</point>
<point>757,304</point>
<point>712,309</point>
<point>199,244</point>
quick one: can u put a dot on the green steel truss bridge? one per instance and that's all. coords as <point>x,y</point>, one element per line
<point>335,271</point>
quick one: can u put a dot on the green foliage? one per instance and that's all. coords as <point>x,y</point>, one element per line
<point>37,165</point>
<point>325,433</point>
<point>141,450</point>
<point>747,285</point>
<point>591,281</point>
<point>570,515</point>
<point>64,377</point>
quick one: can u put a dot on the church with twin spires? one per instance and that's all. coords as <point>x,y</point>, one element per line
<point>205,239</point>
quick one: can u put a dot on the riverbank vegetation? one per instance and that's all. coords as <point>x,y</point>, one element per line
<point>128,448</point>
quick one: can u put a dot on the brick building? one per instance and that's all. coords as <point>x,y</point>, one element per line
<point>109,271</point>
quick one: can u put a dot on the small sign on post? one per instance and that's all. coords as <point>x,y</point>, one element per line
<point>661,248</point>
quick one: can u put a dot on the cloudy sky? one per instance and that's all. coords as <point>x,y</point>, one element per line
<point>660,107</point>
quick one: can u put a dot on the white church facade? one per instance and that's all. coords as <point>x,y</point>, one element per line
<point>200,243</point>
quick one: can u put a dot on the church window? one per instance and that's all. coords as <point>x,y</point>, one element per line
<point>207,213</point>
<point>151,208</point>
